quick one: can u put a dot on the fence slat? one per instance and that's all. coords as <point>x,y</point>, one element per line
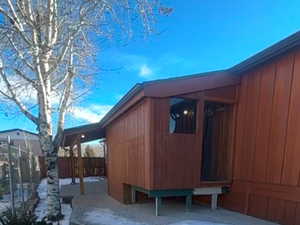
<point>92,167</point>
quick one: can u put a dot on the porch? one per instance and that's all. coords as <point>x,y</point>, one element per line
<point>97,207</point>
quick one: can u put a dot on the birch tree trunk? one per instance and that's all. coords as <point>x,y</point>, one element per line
<point>46,48</point>
<point>53,198</point>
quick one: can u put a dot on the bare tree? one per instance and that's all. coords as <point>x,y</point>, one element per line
<point>45,48</point>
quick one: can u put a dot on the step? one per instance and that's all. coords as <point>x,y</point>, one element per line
<point>213,191</point>
<point>207,190</point>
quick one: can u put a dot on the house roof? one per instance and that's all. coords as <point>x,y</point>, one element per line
<point>150,88</point>
<point>283,46</point>
<point>17,129</point>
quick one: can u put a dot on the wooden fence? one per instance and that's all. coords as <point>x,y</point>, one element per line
<point>91,167</point>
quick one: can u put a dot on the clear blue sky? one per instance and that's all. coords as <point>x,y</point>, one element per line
<point>198,36</point>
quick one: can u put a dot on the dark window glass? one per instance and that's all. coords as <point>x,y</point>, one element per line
<point>182,116</point>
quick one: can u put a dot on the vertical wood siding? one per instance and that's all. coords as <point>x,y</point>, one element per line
<point>128,150</point>
<point>177,157</point>
<point>142,152</point>
<point>267,145</point>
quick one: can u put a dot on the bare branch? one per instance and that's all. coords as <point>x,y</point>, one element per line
<point>14,21</point>
<point>21,74</point>
<point>65,99</point>
<point>19,53</point>
<point>61,56</point>
<point>14,98</point>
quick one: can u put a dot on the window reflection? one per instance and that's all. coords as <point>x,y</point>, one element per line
<point>182,115</point>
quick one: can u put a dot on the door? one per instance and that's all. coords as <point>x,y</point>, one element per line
<point>215,142</point>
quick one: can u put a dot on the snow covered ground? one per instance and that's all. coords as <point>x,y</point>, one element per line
<point>41,209</point>
<point>108,217</point>
<point>97,208</point>
<point>5,201</point>
<point>4,204</point>
<point>67,181</point>
<point>194,222</point>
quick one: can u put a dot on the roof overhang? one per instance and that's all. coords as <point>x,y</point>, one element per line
<point>86,133</point>
<point>181,85</point>
<point>279,48</point>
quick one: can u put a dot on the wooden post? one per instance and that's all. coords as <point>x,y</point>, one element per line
<point>105,158</point>
<point>72,164</point>
<point>157,205</point>
<point>188,202</point>
<point>11,177</point>
<point>80,166</point>
<point>29,150</point>
<point>21,175</point>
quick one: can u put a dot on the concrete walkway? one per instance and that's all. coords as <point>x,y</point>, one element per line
<point>97,208</point>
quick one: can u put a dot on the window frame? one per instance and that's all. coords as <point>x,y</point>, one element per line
<point>195,119</point>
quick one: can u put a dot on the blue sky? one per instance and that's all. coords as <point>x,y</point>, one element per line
<point>198,36</point>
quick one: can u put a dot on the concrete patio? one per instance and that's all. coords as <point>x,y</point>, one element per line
<point>96,207</point>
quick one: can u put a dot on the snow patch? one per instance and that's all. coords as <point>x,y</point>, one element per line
<point>4,205</point>
<point>195,222</point>
<point>67,181</point>
<point>41,209</point>
<point>107,217</point>
<point>5,202</point>
<point>67,211</point>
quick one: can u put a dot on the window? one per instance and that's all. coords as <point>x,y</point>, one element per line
<point>182,116</point>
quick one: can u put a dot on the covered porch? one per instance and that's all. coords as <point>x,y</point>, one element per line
<point>97,207</point>
<point>72,140</point>
<point>92,205</point>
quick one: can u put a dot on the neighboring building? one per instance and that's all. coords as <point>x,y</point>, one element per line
<point>28,142</point>
<point>237,128</point>
<point>23,138</point>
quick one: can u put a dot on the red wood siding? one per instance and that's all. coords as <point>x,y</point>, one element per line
<point>177,157</point>
<point>264,143</point>
<point>128,151</point>
<point>267,144</point>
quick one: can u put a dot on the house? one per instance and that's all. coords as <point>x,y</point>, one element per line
<point>29,145</point>
<point>234,131</point>
<point>24,138</point>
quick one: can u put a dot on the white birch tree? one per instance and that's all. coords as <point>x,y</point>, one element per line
<point>45,46</point>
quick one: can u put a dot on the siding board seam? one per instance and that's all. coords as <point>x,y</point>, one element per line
<point>240,120</point>
<point>256,121</point>
<point>298,183</point>
<point>271,125</point>
<point>288,119</point>
<point>234,130</point>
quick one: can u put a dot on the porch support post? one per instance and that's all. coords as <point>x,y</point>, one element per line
<point>157,205</point>
<point>80,165</point>
<point>133,195</point>
<point>188,202</point>
<point>72,164</point>
<point>214,201</point>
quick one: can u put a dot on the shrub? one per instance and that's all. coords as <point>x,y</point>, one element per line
<point>2,191</point>
<point>20,218</point>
